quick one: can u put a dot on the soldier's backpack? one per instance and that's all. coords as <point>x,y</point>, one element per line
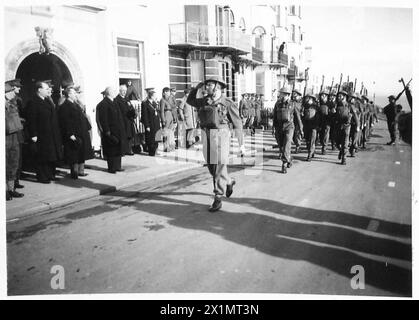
<point>309,113</point>
<point>324,110</point>
<point>343,114</point>
<point>283,112</point>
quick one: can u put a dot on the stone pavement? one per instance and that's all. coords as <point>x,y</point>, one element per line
<point>41,198</point>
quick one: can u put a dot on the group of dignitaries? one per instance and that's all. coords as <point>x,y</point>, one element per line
<point>346,118</point>
<point>45,132</point>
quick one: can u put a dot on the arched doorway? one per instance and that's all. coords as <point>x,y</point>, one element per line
<point>42,67</point>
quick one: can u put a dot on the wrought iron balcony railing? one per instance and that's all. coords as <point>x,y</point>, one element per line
<point>190,33</point>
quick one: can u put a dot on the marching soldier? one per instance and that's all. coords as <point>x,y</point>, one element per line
<point>298,132</point>
<point>344,114</point>
<point>331,102</point>
<point>283,122</point>
<point>365,133</point>
<point>311,123</point>
<point>324,120</point>
<point>355,125</point>
<point>216,112</point>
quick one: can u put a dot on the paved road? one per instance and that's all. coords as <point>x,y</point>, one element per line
<point>296,233</point>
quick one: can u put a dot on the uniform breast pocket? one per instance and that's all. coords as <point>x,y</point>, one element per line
<point>209,117</point>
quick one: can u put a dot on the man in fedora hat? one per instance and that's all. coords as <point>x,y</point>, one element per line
<point>284,113</point>
<point>14,128</point>
<point>216,112</point>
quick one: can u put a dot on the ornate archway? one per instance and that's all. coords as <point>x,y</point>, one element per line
<point>25,48</point>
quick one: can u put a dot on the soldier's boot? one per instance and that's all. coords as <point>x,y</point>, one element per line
<point>8,196</point>
<point>333,147</point>
<point>216,205</point>
<point>340,155</point>
<point>323,150</point>
<point>16,194</point>
<point>284,167</point>
<point>343,161</point>
<point>289,164</point>
<point>230,186</point>
<point>309,158</point>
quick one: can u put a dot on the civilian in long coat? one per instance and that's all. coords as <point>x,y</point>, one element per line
<point>44,132</point>
<point>128,114</point>
<point>113,136</point>
<point>75,131</point>
<point>151,120</point>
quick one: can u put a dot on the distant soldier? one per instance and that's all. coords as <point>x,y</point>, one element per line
<point>331,102</point>
<point>244,109</point>
<point>366,127</point>
<point>167,120</point>
<point>311,120</point>
<point>298,132</point>
<point>283,122</point>
<point>215,113</point>
<point>355,125</point>
<point>252,114</point>
<point>391,111</point>
<point>324,120</point>
<point>344,114</point>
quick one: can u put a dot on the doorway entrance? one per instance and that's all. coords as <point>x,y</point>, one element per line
<point>37,67</point>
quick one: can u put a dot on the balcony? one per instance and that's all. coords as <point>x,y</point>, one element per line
<point>257,54</point>
<point>279,59</point>
<point>192,35</point>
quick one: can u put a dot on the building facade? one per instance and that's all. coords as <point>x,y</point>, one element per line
<point>97,46</point>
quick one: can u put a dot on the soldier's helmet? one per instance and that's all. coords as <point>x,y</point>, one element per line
<point>285,90</point>
<point>365,98</point>
<point>343,92</point>
<point>391,97</point>
<point>323,92</point>
<point>297,92</point>
<point>216,80</point>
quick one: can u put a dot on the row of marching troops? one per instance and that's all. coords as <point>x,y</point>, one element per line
<point>251,110</point>
<point>345,118</point>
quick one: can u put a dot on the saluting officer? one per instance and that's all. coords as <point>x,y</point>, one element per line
<point>283,122</point>
<point>344,114</point>
<point>215,113</point>
<point>298,132</point>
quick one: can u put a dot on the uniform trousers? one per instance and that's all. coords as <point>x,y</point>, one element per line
<point>12,159</point>
<point>310,134</point>
<point>283,135</point>
<point>342,138</point>
<point>216,150</point>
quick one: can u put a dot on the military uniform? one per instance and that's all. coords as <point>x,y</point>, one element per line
<point>311,120</point>
<point>283,122</point>
<point>168,123</point>
<point>215,117</point>
<point>332,120</point>
<point>324,122</point>
<point>344,114</point>
<point>244,110</point>
<point>14,127</point>
<point>356,124</point>
<point>391,111</point>
<point>297,136</point>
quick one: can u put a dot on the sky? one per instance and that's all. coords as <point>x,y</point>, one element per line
<point>371,44</point>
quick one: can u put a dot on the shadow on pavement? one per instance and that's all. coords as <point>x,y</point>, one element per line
<point>287,239</point>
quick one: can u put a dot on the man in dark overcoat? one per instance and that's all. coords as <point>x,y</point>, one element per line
<point>44,132</point>
<point>113,136</point>
<point>151,120</point>
<point>128,114</point>
<point>75,133</point>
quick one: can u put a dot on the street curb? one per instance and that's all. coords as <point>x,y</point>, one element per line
<point>53,206</point>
